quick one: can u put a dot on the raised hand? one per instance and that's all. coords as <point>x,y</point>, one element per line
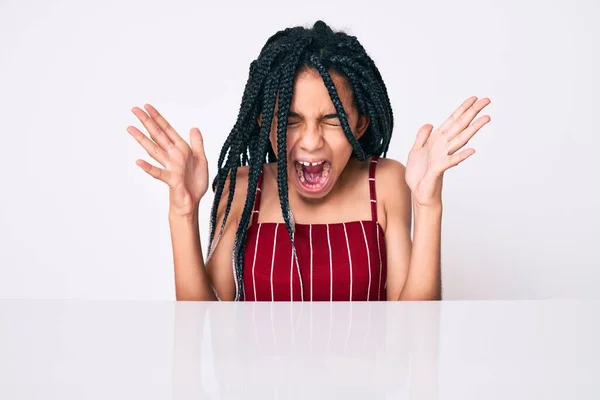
<point>185,167</point>
<point>435,151</point>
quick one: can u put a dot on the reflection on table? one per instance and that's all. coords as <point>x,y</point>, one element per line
<point>271,350</point>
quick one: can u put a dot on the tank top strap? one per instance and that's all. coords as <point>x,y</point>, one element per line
<point>372,193</point>
<point>256,208</point>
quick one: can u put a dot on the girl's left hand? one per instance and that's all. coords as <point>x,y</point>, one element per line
<point>436,151</point>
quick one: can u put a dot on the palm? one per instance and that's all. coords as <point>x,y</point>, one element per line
<point>434,152</point>
<point>416,167</point>
<point>190,178</point>
<point>185,167</point>
<point>196,177</point>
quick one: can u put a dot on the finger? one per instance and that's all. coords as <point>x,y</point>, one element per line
<point>459,157</point>
<point>197,143</point>
<point>155,132</point>
<point>466,118</point>
<point>463,137</point>
<point>155,172</point>
<point>457,113</point>
<point>163,124</point>
<point>422,136</point>
<point>151,148</point>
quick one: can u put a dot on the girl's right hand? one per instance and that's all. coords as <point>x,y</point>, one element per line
<point>185,168</point>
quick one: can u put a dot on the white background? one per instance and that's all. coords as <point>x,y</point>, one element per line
<point>78,218</point>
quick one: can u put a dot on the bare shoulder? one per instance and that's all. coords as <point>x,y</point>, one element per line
<point>391,184</point>
<point>388,168</point>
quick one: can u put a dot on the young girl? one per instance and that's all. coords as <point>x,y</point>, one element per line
<point>306,205</point>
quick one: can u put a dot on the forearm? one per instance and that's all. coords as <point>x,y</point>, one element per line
<point>191,280</point>
<point>424,275</point>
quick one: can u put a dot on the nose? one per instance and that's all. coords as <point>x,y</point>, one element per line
<point>311,139</point>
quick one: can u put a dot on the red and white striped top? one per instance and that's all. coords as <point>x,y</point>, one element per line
<point>343,261</point>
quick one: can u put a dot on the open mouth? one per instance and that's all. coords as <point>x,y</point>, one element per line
<point>313,175</point>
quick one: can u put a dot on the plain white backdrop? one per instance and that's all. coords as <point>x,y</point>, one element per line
<point>78,218</point>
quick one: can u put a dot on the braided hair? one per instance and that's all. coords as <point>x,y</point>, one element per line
<point>284,55</point>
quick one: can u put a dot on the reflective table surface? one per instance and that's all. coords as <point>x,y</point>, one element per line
<point>68,349</point>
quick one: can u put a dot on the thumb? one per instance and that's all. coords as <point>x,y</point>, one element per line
<point>197,143</point>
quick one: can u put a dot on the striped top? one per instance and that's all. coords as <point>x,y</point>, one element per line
<point>343,261</point>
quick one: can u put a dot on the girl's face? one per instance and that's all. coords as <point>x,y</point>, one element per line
<point>317,148</point>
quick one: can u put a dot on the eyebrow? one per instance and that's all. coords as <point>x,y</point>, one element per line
<point>293,114</point>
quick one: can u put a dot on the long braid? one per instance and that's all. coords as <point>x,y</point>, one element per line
<point>355,55</point>
<point>339,108</point>
<point>271,77</point>
<point>254,171</point>
<point>374,109</point>
<point>258,74</point>
<point>372,136</point>
<point>375,89</point>
<point>285,100</point>
<point>361,55</point>
<point>251,93</point>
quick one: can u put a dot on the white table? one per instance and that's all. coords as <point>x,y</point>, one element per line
<point>55,349</point>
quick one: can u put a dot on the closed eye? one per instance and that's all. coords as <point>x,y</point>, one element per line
<point>331,120</point>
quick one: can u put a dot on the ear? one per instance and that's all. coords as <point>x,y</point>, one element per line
<point>361,126</point>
